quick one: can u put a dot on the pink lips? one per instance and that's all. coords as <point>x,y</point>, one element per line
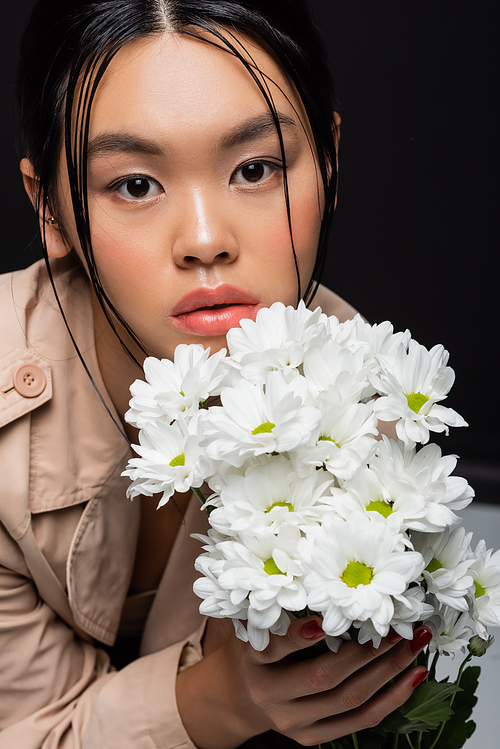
<point>213,311</point>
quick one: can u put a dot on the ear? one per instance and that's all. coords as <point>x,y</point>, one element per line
<point>56,245</point>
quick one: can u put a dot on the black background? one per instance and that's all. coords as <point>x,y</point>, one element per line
<point>415,236</point>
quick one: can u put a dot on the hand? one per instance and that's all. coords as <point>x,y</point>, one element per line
<point>236,692</point>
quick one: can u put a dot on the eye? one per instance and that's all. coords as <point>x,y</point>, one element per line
<point>255,171</point>
<point>137,188</point>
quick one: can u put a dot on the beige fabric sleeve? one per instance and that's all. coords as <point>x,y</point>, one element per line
<point>59,692</point>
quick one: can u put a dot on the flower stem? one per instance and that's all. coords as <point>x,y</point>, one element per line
<point>409,741</point>
<point>355,741</point>
<point>396,741</point>
<point>459,676</point>
<point>432,670</point>
<point>199,494</point>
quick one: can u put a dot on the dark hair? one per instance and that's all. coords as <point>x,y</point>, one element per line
<point>67,46</point>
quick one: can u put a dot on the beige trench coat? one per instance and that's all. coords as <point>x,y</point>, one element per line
<point>68,537</point>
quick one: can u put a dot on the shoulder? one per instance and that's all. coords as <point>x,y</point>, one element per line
<point>58,446</point>
<point>34,338</point>
<point>28,303</point>
<point>332,304</point>
<point>19,292</point>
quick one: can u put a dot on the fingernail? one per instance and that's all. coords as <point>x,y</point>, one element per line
<point>392,636</point>
<point>419,679</point>
<point>421,638</point>
<point>311,630</point>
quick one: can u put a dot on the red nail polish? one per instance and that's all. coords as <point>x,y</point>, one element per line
<point>311,630</point>
<point>419,679</point>
<point>392,636</point>
<point>421,638</point>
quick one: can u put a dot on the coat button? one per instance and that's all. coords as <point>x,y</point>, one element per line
<point>29,380</point>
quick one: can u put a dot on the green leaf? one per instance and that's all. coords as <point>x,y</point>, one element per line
<point>428,707</point>
<point>391,723</point>
<point>455,734</point>
<point>457,730</point>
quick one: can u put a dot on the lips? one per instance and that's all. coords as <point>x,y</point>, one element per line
<point>213,311</point>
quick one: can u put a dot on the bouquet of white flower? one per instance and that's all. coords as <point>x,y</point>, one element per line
<point>312,510</point>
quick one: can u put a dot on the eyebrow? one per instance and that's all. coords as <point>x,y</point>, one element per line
<point>256,127</point>
<point>107,143</point>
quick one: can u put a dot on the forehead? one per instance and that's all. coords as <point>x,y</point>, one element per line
<point>177,81</point>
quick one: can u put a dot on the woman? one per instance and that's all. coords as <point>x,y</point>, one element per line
<point>181,157</point>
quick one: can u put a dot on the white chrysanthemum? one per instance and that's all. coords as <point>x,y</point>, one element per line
<point>277,340</point>
<point>344,333</point>
<point>255,419</point>
<point>418,486</point>
<point>355,572</point>
<point>344,439</point>
<point>268,496</point>
<point>171,460</point>
<point>378,338</point>
<point>358,336</point>
<point>375,339</point>
<point>385,498</point>
<point>217,601</point>
<point>485,570</point>
<point>411,385</point>
<point>260,575</point>
<point>451,631</point>
<point>447,565</point>
<point>333,365</point>
<point>410,608</point>
<point>175,387</point>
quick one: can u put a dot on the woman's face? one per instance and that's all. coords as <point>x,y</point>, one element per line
<point>187,210</point>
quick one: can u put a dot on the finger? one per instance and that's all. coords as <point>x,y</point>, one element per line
<point>359,688</point>
<point>370,679</point>
<point>302,633</point>
<point>376,666</point>
<point>366,716</point>
<point>217,632</point>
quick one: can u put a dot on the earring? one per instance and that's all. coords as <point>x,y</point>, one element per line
<point>51,220</point>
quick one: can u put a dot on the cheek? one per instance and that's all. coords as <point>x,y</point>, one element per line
<point>306,226</point>
<point>123,255</point>
<point>120,251</point>
<point>271,232</point>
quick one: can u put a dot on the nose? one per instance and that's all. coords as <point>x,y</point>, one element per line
<point>205,235</point>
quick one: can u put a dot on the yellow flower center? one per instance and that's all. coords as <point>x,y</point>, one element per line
<point>179,460</point>
<point>416,401</point>
<point>280,504</point>
<point>433,565</point>
<point>267,426</point>
<point>384,508</point>
<point>271,568</point>
<point>479,590</point>
<point>324,438</point>
<point>357,573</point>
